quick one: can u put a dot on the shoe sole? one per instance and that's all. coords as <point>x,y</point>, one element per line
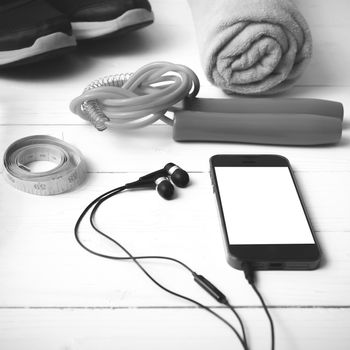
<point>130,20</point>
<point>48,45</point>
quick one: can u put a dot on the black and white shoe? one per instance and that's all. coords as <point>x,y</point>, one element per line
<point>100,18</point>
<point>31,30</point>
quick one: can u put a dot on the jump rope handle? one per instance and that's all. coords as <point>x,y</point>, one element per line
<point>135,100</point>
<point>295,121</point>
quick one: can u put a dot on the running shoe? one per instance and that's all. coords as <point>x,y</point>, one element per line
<point>92,19</point>
<point>31,30</point>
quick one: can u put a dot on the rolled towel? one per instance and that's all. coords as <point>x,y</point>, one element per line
<point>251,46</point>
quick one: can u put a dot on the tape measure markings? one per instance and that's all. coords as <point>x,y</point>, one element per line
<point>69,172</point>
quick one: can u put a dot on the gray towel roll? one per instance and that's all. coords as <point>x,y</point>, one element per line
<point>252,47</point>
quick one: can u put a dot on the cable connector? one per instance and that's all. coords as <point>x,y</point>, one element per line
<point>248,272</point>
<point>250,277</point>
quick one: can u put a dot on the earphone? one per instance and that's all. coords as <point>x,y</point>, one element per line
<point>162,180</point>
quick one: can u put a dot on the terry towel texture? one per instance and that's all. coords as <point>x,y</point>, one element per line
<point>251,46</point>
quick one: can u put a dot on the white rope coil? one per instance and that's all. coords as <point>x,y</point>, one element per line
<point>136,100</point>
<point>68,173</point>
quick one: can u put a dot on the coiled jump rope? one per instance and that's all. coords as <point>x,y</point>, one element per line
<point>136,100</point>
<point>128,101</point>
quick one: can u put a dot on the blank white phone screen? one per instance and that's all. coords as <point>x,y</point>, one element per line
<point>261,206</point>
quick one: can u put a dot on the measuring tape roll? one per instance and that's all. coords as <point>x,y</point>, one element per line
<point>68,173</point>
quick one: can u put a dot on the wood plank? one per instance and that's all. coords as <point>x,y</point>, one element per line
<point>155,329</point>
<point>151,148</point>
<point>42,265</point>
<point>50,105</point>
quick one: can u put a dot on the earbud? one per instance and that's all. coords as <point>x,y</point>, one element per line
<point>164,187</point>
<point>161,183</point>
<point>177,175</point>
<point>160,180</point>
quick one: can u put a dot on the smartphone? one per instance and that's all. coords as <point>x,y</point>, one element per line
<point>263,216</point>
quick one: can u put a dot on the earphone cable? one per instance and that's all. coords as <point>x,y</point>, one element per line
<point>112,257</point>
<point>240,322</point>
<point>92,215</point>
<point>249,275</point>
<point>181,296</point>
<point>268,316</point>
<point>104,197</point>
<point>130,257</point>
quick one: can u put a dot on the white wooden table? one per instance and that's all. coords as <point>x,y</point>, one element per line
<point>53,295</point>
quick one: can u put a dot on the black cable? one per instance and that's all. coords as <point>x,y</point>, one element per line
<point>92,216</point>
<point>240,322</point>
<point>249,275</point>
<point>268,316</point>
<point>97,202</point>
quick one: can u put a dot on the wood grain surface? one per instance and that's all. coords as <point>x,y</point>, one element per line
<point>53,295</point>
